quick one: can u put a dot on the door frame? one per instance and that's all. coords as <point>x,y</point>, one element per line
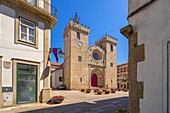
<point>26,75</point>
<point>15,61</point>
<point>165,75</point>
<point>1,96</point>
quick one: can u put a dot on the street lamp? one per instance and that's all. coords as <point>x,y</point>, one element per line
<point>61,54</point>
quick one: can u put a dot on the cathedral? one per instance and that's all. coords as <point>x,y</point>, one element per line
<point>88,66</point>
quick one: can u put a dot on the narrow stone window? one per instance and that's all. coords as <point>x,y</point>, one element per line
<point>79,58</point>
<point>111,48</point>
<point>81,79</point>
<point>111,64</point>
<point>78,35</point>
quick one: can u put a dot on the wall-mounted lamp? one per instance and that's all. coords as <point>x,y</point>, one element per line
<point>61,54</point>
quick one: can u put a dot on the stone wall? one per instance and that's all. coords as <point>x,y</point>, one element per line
<point>78,74</point>
<point>78,70</point>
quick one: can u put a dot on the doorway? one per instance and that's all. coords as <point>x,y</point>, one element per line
<point>94,81</point>
<point>26,83</point>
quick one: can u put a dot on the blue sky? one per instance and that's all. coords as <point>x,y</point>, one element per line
<point>102,16</point>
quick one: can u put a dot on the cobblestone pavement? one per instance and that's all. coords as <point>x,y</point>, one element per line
<point>76,102</point>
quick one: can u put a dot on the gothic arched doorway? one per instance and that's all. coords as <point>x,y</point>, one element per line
<point>94,80</point>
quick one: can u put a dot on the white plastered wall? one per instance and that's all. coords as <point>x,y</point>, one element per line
<point>153,26</point>
<point>9,50</point>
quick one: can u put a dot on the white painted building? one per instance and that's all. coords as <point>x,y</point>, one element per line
<point>57,78</point>
<point>150,19</point>
<point>24,49</point>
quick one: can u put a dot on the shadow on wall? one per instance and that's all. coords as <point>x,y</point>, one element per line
<point>45,73</point>
<point>102,106</point>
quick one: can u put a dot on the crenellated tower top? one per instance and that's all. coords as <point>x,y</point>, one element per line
<point>75,25</point>
<point>107,38</point>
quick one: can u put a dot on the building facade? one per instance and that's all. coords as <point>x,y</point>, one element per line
<point>57,77</point>
<point>149,53</point>
<point>122,76</point>
<point>25,27</point>
<point>84,66</point>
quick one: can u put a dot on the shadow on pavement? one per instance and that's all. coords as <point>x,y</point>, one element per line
<point>102,106</point>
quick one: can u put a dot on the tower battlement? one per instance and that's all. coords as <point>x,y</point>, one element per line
<point>76,26</point>
<point>107,38</point>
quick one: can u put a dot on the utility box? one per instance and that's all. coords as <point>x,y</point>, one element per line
<point>7,96</point>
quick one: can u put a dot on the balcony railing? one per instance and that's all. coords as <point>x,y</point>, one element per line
<point>43,5</point>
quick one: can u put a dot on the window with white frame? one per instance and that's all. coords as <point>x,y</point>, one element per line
<point>27,31</point>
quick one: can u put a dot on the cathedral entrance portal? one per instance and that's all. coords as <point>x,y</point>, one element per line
<point>97,78</point>
<point>94,80</point>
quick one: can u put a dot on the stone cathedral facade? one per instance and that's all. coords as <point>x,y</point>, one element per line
<point>84,66</point>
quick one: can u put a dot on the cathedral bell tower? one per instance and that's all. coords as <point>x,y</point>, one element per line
<point>75,54</point>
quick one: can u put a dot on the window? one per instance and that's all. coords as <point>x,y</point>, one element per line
<point>27,69</point>
<point>41,3</point>
<point>31,2</point>
<point>78,35</point>
<point>95,56</point>
<point>79,58</point>
<point>61,79</point>
<point>81,80</point>
<point>111,64</point>
<point>121,85</point>
<point>124,77</point>
<point>124,69</point>
<point>121,70</point>
<point>27,31</point>
<point>111,48</point>
<point>118,77</point>
<point>117,70</point>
